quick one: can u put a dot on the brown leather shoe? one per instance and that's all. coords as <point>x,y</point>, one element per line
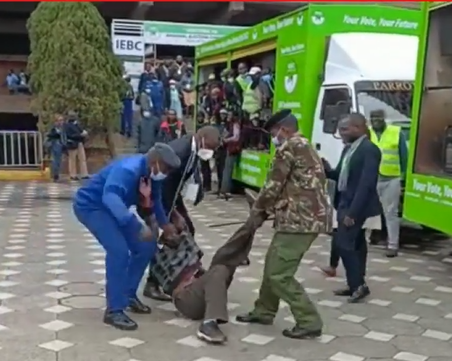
<point>328,271</point>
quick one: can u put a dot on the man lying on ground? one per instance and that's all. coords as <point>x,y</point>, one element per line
<point>199,294</point>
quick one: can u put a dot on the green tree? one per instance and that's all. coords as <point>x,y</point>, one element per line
<point>72,67</point>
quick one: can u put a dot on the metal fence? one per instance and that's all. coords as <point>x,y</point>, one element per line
<point>21,149</point>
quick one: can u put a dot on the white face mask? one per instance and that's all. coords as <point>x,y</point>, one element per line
<point>205,154</point>
<point>159,176</point>
<point>146,114</point>
<point>172,86</point>
<point>275,140</point>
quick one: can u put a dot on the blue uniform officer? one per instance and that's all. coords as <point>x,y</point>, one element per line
<point>102,206</point>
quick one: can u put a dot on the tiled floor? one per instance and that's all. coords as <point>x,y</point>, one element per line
<point>51,296</point>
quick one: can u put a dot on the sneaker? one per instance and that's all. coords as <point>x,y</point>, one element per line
<point>120,321</point>
<point>391,253</point>
<point>211,333</point>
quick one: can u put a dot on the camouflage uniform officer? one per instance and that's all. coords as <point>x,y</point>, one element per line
<point>295,192</point>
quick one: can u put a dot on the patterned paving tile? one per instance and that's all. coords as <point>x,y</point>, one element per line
<point>47,255</point>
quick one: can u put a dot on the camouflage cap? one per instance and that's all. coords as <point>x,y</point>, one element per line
<point>277,118</point>
<point>166,154</point>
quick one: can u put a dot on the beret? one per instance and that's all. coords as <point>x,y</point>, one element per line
<point>167,154</point>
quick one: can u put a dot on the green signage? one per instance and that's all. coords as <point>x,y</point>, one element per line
<point>182,34</point>
<point>301,43</point>
<point>428,196</point>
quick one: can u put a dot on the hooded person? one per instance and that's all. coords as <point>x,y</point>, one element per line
<point>102,205</point>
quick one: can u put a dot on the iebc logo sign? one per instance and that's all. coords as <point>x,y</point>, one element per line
<point>128,45</point>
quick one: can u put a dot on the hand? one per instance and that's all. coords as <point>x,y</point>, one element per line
<point>169,230</point>
<point>179,223</point>
<point>349,222</point>
<point>146,233</point>
<point>326,165</point>
<point>145,187</point>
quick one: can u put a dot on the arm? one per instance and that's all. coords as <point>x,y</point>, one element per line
<point>159,210</point>
<point>281,168</point>
<point>367,183</point>
<point>403,154</point>
<point>141,83</point>
<point>235,134</point>
<point>118,182</point>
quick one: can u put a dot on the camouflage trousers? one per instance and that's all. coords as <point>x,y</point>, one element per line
<point>281,263</point>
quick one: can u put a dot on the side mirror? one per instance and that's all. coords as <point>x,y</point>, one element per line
<point>332,115</point>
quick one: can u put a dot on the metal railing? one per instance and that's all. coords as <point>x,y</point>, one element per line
<point>21,149</point>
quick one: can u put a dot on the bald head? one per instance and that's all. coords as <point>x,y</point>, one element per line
<point>378,120</point>
<point>208,137</point>
<point>353,127</point>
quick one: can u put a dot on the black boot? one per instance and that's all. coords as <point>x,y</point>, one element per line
<point>152,290</point>
<point>120,321</point>
<point>136,306</point>
<point>301,333</point>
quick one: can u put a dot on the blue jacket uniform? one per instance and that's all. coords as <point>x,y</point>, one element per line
<point>115,188</point>
<point>102,206</point>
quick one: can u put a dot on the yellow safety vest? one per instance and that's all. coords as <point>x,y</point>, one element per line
<point>389,147</point>
<point>242,82</point>
<point>250,100</point>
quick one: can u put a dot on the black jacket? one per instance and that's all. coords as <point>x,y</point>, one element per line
<point>183,148</point>
<point>74,134</point>
<point>360,200</point>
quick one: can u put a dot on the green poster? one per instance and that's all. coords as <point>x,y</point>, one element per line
<point>302,41</point>
<point>428,197</point>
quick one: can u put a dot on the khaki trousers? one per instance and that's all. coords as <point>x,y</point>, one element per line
<point>74,156</point>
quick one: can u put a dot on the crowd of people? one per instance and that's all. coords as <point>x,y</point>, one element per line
<point>236,101</point>
<point>295,197</point>
<point>17,82</point>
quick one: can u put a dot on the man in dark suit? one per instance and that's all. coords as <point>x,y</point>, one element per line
<point>185,182</point>
<point>356,200</point>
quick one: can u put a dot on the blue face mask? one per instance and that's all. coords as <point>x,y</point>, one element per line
<point>267,77</point>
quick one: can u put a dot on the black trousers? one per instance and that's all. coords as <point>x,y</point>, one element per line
<point>351,245</point>
<point>219,165</point>
<point>206,175</point>
<point>335,255</point>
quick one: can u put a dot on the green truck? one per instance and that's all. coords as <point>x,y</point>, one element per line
<point>328,60</point>
<point>428,192</point>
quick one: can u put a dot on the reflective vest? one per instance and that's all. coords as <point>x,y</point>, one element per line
<point>389,147</point>
<point>243,82</point>
<point>251,102</point>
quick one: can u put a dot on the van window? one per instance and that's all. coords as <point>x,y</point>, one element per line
<point>333,96</point>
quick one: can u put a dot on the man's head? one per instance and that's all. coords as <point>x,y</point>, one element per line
<point>208,140</point>
<point>255,72</point>
<point>282,126</point>
<point>72,116</point>
<point>172,116</point>
<point>148,67</point>
<point>59,120</point>
<point>223,115</point>
<point>200,117</point>
<point>378,120</point>
<point>161,160</point>
<point>11,71</point>
<point>189,70</point>
<point>179,59</point>
<point>242,69</point>
<point>353,127</point>
<point>127,78</point>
